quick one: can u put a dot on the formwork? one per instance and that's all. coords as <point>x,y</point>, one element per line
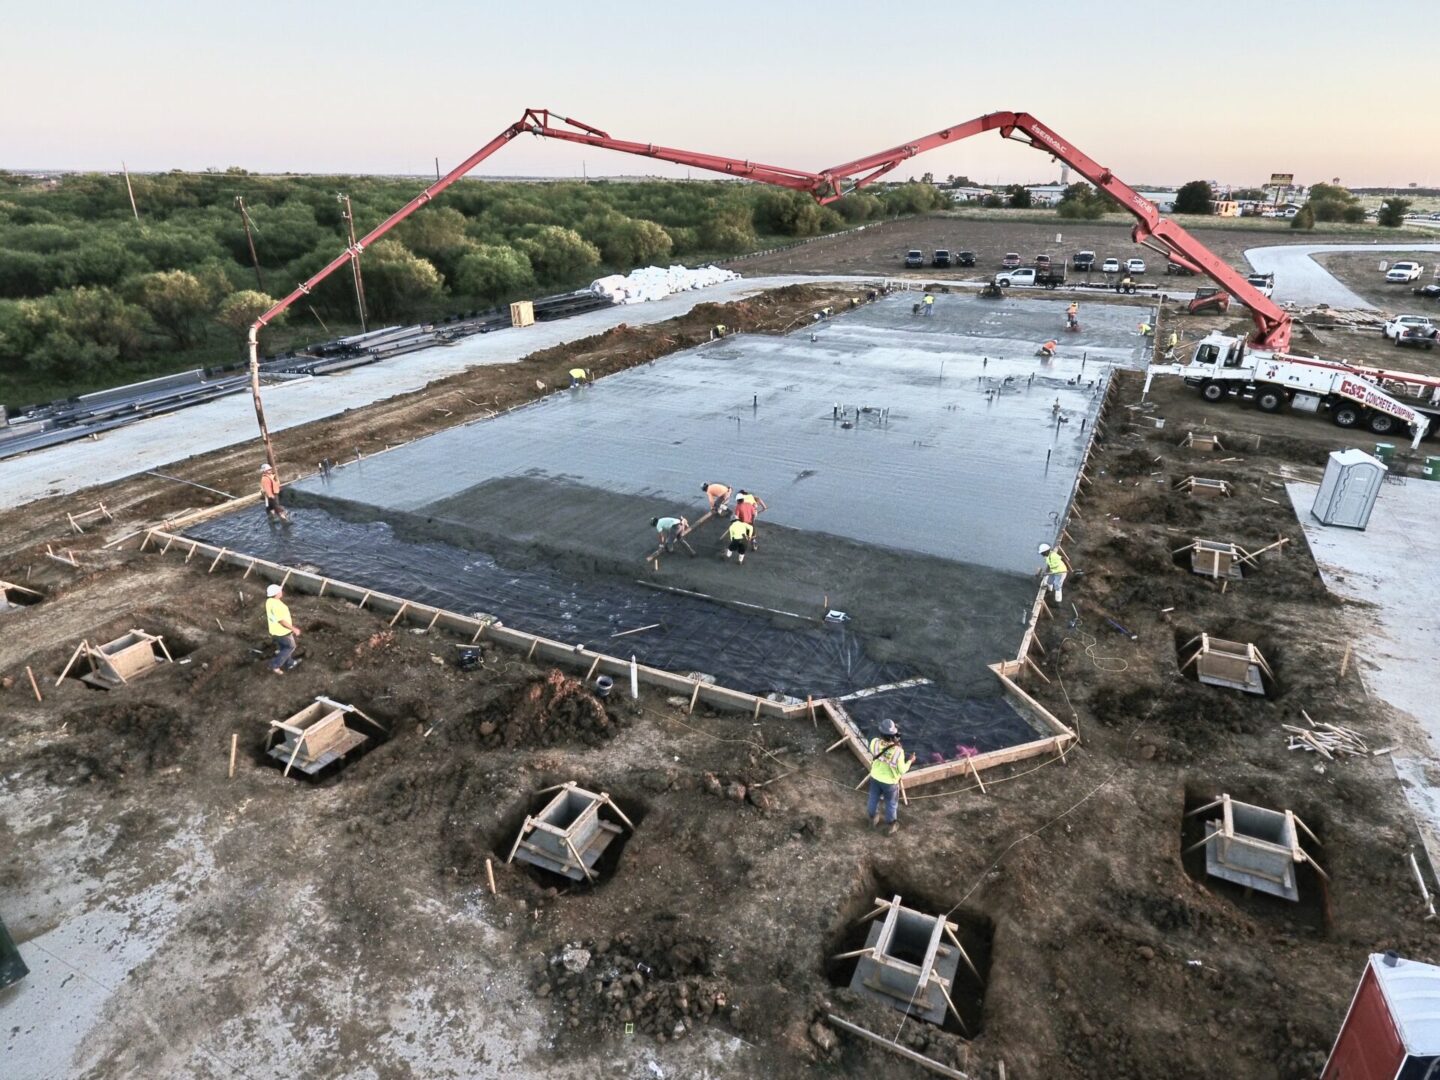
<point>1237,665</point>
<point>1254,847</point>
<point>910,961</point>
<point>120,662</point>
<point>568,836</point>
<point>15,597</point>
<point>1215,558</point>
<point>321,734</point>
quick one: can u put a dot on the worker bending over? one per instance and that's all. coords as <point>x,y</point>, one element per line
<point>888,764</point>
<point>719,496</point>
<point>282,631</point>
<point>1047,350</point>
<point>747,505</point>
<point>670,529</point>
<point>1054,571</point>
<point>719,330</point>
<point>270,489</point>
<point>740,534</point>
<point>578,377</point>
<point>1145,328</point>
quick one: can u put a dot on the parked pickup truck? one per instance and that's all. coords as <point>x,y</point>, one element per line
<point>965,258</point>
<point>1178,270</point>
<point>942,258</point>
<point>914,257</point>
<point>1401,325</point>
<point>1010,261</point>
<point>1427,292</point>
<point>1265,283</point>
<point>1404,272</point>
<point>1084,260</point>
<point>1028,275</point>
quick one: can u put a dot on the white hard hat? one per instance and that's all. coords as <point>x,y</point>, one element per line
<point>272,590</point>
<point>1044,548</point>
<point>265,467</point>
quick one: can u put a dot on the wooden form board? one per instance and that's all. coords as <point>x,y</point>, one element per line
<point>1236,664</point>
<point>1214,558</point>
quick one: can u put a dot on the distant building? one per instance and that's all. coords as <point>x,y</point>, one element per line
<point>967,194</point>
<point>1225,208</point>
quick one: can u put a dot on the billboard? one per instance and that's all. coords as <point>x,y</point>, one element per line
<point>1281,179</point>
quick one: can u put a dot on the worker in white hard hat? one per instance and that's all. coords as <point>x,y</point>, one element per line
<point>888,764</point>
<point>270,489</point>
<point>283,631</point>
<point>1054,571</point>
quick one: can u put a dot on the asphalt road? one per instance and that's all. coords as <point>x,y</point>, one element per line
<point>1299,279</point>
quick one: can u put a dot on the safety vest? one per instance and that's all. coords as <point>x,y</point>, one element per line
<point>269,484</point>
<point>1054,564</point>
<point>578,374</point>
<point>1073,309</point>
<point>887,765</point>
<point>276,614</point>
<point>740,530</point>
<point>929,299</point>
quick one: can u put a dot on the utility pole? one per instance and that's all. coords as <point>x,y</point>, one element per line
<point>133,209</point>
<point>254,259</point>
<point>349,217</point>
<point>437,169</point>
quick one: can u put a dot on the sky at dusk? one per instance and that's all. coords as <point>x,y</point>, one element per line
<point>1160,96</point>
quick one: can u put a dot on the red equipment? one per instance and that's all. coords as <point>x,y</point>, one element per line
<point>1272,324</point>
<point>1392,1031</point>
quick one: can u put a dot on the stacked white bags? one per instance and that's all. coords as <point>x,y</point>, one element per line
<point>656,283</point>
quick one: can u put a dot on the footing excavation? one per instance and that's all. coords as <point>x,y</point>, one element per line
<point>1237,665</point>
<point>1200,488</point>
<point>320,735</point>
<point>909,962</point>
<point>120,662</point>
<point>568,837</point>
<point>1255,847</point>
<point>14,597</point>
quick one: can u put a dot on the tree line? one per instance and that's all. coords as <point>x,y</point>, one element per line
<point>89,296</point>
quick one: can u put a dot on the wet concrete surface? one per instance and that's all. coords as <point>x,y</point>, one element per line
<point>917,516</point>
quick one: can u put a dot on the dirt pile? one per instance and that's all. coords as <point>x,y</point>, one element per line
<point>661,980</point>
<point>554,709</point>
<point>106,743</point>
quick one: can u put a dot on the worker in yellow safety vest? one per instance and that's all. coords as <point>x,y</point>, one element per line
<point>929,303</point>
<point>282,630</point>
<point>1054,571</point>
<point>888,764</point>
<point>578,376</point>
<point>739,534</point>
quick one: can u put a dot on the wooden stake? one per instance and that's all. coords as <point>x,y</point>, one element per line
<point>976,773</point>
<point>810,704</point>
<point>591,673</point>
<point>396,618</point>
<point>490,874</point>
<point>694,697</point>
<point>534,644</point>
<point>234,746</point>
<point>1345,660</point>
<point>217,561</point>
<point>73,657</point>
<point>838,742</point>
<point>756,715</point>
<point>33,684</point>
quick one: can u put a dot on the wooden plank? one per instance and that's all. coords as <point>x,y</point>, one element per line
<point>904,1051</point>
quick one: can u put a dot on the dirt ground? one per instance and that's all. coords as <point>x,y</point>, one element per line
<point>1361,271</point>
<point>346,927</point>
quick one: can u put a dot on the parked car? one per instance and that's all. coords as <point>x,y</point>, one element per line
<point>1084,260</point>
<point>942,258</point>
<point>1428,292</point>
<point>1135,266</point>
<point>1265,283</point>
<point>1404,272</point>
<point>914,257</point>
<point>1402,323</point>
<point>965,258</point>
<point>1010,261</point>
<point>1178,270</point>
<point>1111,266</point>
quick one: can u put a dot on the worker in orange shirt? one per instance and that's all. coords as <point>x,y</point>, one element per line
<point>719,496</point>
<point>1047,350</point>
<point>270,489</point>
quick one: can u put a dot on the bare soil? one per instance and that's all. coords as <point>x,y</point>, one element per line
<point>1361,272</point>
<point>1105,952</point>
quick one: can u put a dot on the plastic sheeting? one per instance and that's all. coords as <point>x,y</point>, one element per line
<point>751,653</point>
<point>656,283</point>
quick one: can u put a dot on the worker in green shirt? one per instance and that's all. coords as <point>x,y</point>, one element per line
<point>282,630</point>
<point>888,764</point>
<point>670,529</point>
<point>1054,571</point>
<point>739,534</point>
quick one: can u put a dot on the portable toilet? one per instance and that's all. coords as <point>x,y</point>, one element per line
<point>1348,489</point>
<point>1392,1029</point>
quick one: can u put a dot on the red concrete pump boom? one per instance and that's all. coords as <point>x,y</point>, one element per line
<point>1272,325</point>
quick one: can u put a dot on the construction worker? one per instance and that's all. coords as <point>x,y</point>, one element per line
<point>718,331</point>
<point>1054,571</point>
<point>283,631</point>
<point>888,764</point>
<point>270,489</point>
<point>929,303</point>
<point>670,530</point>
<point>1072,316</point>
<point>719,496</point>
<point>1172,343</point>
<point>1145,328</point>
<point>747,505</point>
<point>578,377</point>
<point>739,534</point>
<point>1047,350</point>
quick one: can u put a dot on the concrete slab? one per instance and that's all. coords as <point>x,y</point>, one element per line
<point>158,441</point>
<point>1386,569</point>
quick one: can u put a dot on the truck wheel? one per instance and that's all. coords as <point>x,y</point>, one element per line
<point>1382,423</point>
<point>1270,400</point>
<point>1212,392</point>
<point>1346,416</point>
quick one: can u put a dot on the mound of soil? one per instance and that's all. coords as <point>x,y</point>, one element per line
<point>660,980</point>
<point>109,742</point>
<point>557,708</point>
